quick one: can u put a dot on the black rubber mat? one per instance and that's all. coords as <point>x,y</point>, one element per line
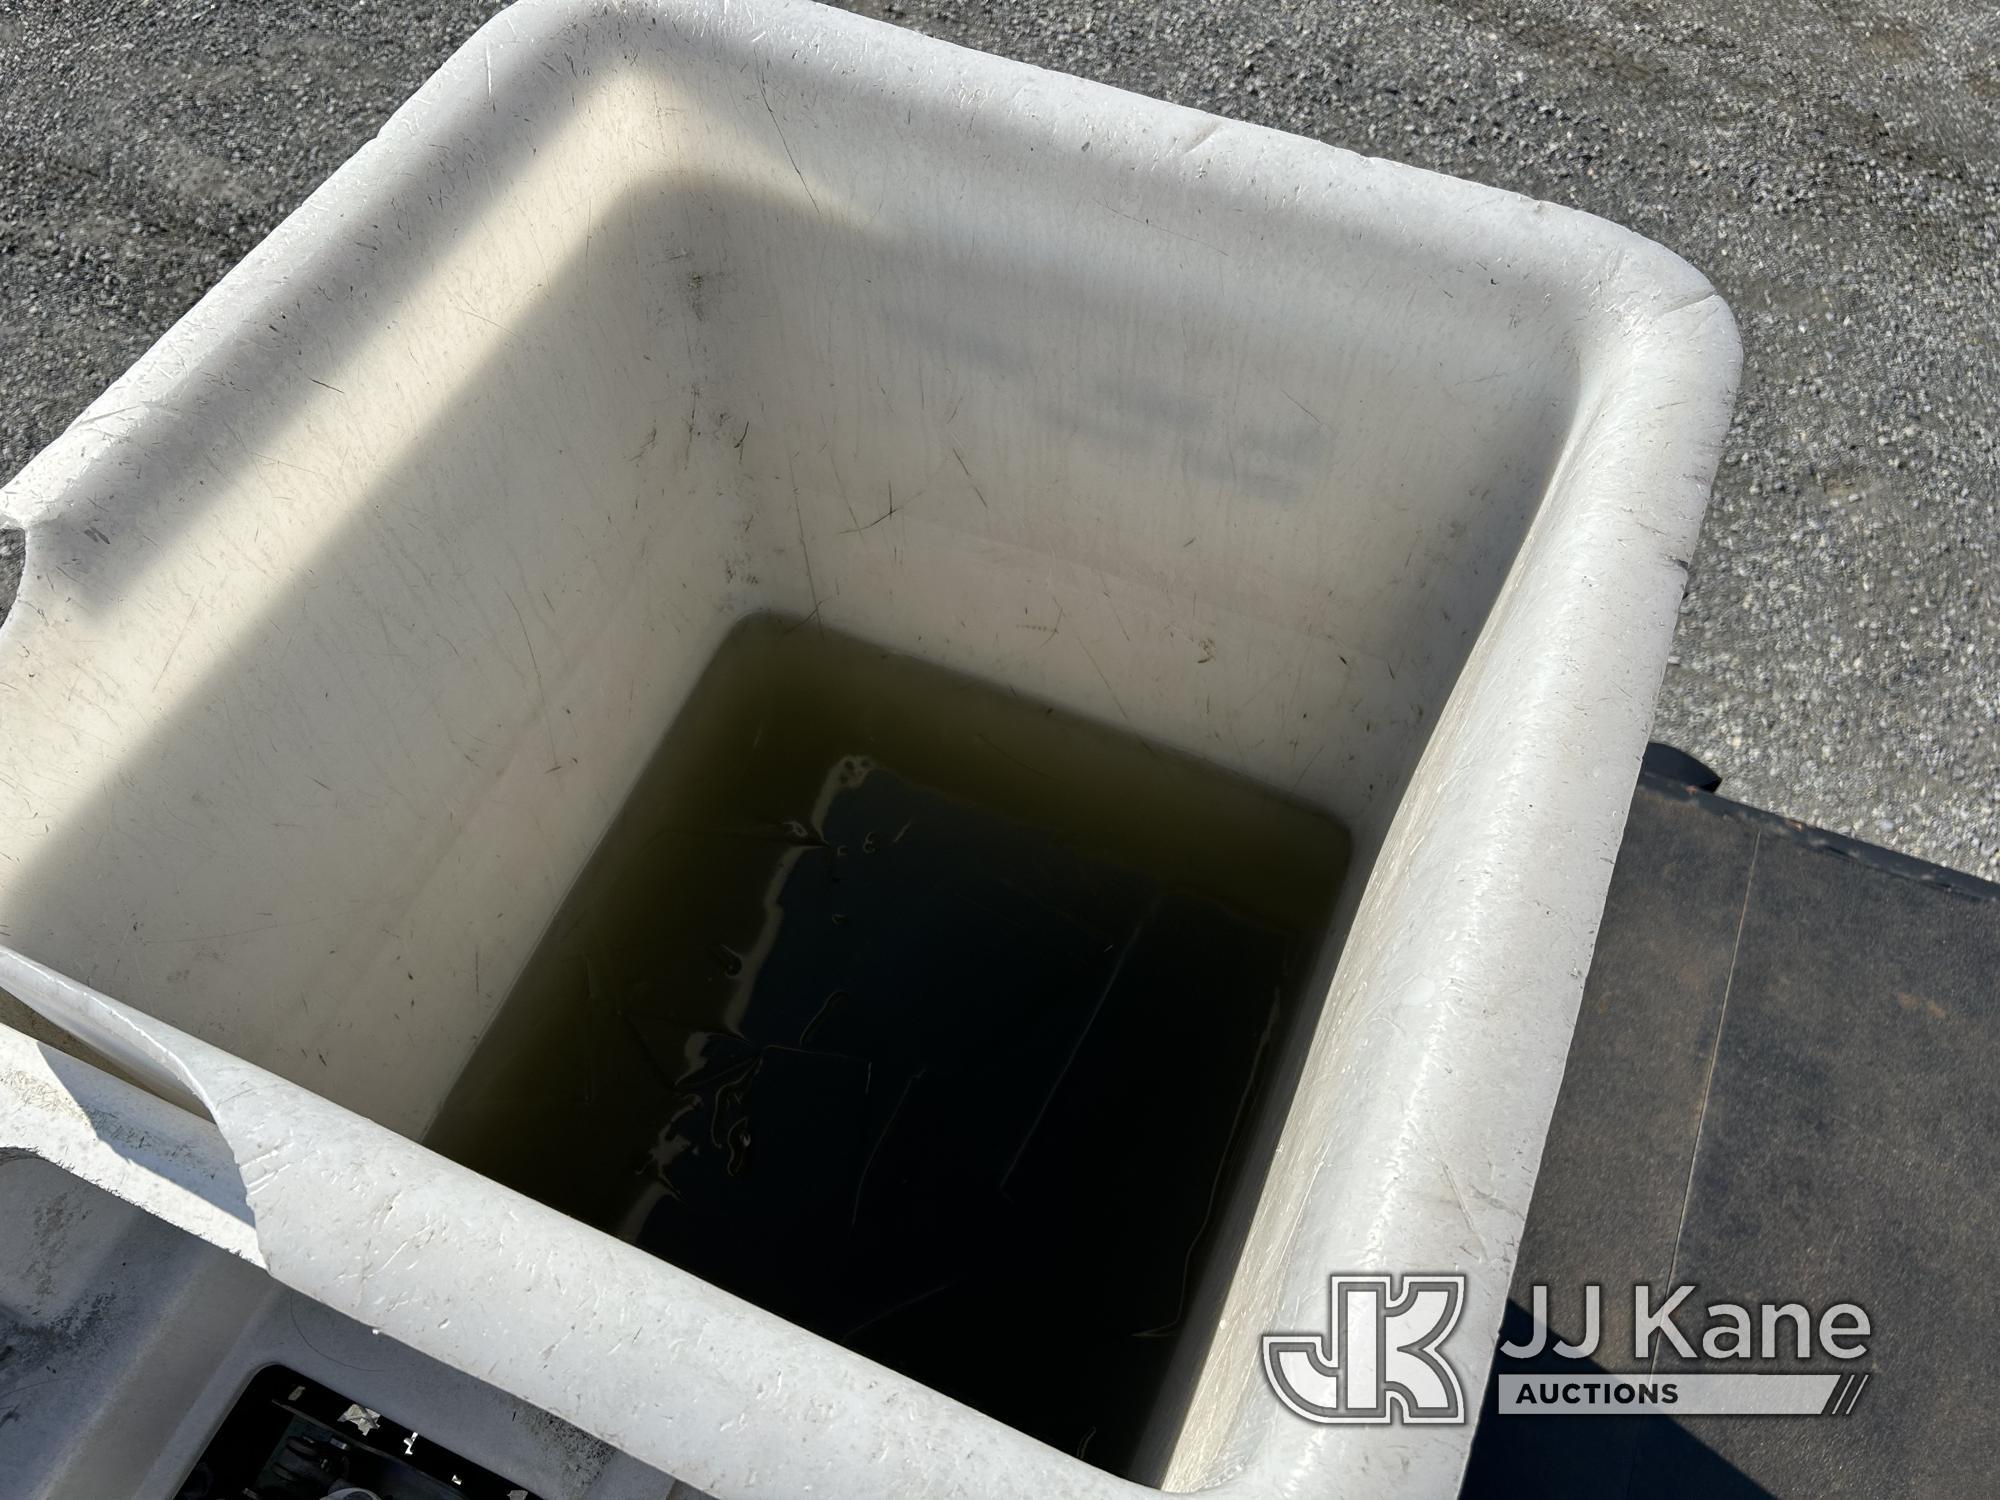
<point>1784,1086</point>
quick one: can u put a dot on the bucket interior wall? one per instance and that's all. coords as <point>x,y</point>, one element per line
<point>379,666</point>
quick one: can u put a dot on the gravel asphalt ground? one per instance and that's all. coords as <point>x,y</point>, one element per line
<point>1833,165</point>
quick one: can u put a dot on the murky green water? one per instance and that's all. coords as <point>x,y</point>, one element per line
<point>919,1013</point>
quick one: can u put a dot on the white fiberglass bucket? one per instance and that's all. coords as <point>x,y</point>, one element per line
<point>352,612</point>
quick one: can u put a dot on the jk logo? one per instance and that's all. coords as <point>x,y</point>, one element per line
<point>1379,1361</point>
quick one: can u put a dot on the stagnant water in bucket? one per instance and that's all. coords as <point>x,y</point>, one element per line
<point>921,1014</point>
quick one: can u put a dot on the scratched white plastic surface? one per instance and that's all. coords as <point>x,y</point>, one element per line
<point>130,1341</point>
<point>352,611</point>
